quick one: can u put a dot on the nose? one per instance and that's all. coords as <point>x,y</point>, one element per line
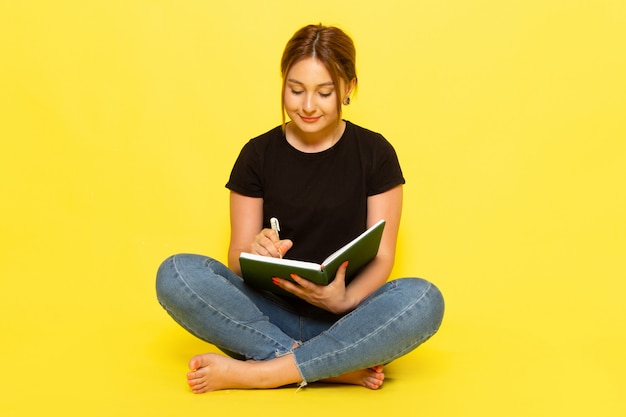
<point>308,104</point>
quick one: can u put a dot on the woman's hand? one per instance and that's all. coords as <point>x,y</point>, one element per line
<point>332,297</point>
<point>267,243</point>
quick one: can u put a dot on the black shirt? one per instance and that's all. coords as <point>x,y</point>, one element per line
<point>319,198</point>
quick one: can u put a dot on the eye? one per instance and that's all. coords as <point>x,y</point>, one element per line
<point>326,94</point>
<point>296,92</point>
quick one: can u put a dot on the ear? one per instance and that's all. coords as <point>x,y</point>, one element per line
<point>349,87</point>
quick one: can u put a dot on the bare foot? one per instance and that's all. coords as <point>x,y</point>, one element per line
<point>212,372</point>
<point>371,378</point>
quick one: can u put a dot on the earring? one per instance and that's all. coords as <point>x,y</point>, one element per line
<point>346,101</point>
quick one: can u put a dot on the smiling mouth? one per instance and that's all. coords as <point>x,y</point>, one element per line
<point>309,119</point>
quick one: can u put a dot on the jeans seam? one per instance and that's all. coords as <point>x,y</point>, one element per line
<point>369,335</point>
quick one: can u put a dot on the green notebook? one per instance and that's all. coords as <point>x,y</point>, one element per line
<point>259,270</point>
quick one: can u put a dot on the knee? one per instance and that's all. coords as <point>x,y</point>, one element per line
<point>428,299</point>
<point>164,279</point>
<point>182,274</point>
<point>170,275</point>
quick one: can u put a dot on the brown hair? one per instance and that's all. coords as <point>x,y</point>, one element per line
<point>328,44</point>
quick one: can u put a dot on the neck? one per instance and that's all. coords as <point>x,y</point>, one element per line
<point>311,142</point>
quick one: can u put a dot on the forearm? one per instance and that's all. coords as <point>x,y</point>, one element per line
<point>370,279</point>
<point>233,260</point>
<point>246,220</point>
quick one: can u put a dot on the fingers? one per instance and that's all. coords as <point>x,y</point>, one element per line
<point>300,287</point>
<point>340,276</point>
<point>303,282</point>
<point>267,243</point>
<point>332,297</point>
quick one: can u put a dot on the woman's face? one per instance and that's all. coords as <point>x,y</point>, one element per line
<point>310,97</point>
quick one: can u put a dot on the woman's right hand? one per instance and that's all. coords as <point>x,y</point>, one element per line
<point>267,243</point>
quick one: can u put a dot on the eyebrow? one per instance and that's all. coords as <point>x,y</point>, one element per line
<point>326,84</point>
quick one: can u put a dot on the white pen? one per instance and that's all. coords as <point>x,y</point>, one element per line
<point>276,228</point>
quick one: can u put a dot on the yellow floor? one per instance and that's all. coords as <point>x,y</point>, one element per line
<point>119,123</point>
<point>83,335</point>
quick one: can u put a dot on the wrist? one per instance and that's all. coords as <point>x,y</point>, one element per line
<point>346,305</point>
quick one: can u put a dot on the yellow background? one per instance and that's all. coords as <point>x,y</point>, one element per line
<point>120,120</point>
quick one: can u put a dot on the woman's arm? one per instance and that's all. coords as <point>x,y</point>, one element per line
<point>246,220</point>
<point>246,233</point>
<point>388,206</point>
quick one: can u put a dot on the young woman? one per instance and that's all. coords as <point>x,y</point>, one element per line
<point>327,180</point>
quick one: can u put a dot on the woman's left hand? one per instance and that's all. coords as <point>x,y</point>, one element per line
<point>332,297</point>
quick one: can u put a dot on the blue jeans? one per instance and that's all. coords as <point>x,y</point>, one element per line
<point>214,304</point>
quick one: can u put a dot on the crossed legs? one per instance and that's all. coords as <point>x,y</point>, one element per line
<point>212,303</point>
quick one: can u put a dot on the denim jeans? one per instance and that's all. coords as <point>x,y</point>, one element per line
<point>214,304</point>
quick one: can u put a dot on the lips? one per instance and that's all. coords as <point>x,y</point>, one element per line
<point>309,119</point>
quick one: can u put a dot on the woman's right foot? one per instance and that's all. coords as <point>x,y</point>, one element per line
<point>212,372</point>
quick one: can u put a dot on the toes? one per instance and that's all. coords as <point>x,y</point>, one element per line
<point>375,379</point>
<point>199,390</point>
<point>193,375</point>
<point>373,383</point>
<point>196,362</point>
<point>195,379</point>
<point>200,387</point>
<point>199,361</point>
<point>197,385</point>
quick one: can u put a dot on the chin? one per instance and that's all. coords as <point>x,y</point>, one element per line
<point>310,127</point>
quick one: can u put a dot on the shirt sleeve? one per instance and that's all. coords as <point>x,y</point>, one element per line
<point>245,177</point>
<point>386,172</point>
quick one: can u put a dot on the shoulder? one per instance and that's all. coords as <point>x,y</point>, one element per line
<point>378,159</point>
<point>246,176</point>
<point>369,139</point>
<point>256,149</point>
<point>362,132</point>
<point>263,140</point>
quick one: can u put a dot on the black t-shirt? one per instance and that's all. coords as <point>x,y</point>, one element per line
<point>319,198</point>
